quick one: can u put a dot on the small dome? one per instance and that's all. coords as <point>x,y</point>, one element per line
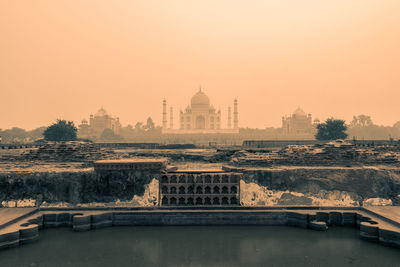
<point>299,112</point>
<point>102,112</point>
<point>200,100</point>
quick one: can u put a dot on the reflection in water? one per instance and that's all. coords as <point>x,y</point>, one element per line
<point>201,246</point>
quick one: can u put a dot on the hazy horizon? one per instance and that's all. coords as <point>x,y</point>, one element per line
<point>67,59</point>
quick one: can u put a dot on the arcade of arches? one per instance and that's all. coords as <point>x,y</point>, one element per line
<point>205,189</point>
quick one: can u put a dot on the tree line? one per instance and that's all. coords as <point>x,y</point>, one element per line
<point>361,127</point>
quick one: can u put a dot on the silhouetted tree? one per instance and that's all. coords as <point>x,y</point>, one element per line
<point>331,130</point>
<point>138,126</point>
<point>150,124</point>
<point>62,130</point>
<point>14,135</point>
<point>361,121</point>
<point>37,133</point>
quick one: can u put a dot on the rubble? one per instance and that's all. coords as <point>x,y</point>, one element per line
<point>69,151</point>
<point>253,194</point>
<point>336,152</point>
<point>376,201</point>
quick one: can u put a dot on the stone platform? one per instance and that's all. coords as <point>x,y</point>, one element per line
<point>378,224</point>
<point>9,216</point>
<point>390,214</point>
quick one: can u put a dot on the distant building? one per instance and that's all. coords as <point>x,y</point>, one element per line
<point>98,122</point>
<point>298,123</point>
<point>200,117</point>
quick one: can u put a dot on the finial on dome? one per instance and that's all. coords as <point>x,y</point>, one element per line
<point>200,88</point>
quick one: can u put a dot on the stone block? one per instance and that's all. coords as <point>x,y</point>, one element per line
<point>29,233</point>
<point>319,226</point>
<point>335,218</point>
<point>349,218</point>
<point>322,217</point>
<point>9,239</point>
<point>102,220</point>
<point>297,219</point>
<point>81,223</point>
<point>389,238</point>
<point>369,231</point>
<point>50,220</point>
<point>38,220</point>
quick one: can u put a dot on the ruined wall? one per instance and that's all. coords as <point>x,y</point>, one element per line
<point>268,186</point>
<point>73,187</point>
<point>366,182</point>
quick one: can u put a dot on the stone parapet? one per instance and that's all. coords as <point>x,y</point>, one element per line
<point>156,165</point>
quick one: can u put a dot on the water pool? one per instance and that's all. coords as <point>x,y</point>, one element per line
<point>200,246</point>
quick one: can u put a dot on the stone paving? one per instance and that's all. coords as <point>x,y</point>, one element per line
<point>11,215</point>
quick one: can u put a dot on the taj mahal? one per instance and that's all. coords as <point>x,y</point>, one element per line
<point>200,117</point>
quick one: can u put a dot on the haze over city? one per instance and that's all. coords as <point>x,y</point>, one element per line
<point>66,59</point>
<point>199,133</point>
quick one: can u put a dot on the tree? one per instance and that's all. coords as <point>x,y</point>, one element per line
<point>62,130</point>
<point>138,126</point>
<point>37,133</point>
<point>14,135</point>
<point>361,121</point>
<point>150,124</point>
<point>331,130</point>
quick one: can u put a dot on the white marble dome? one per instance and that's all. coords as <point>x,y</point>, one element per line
<point>101,112</point>
<point>200,99</point>
<point>299,112</point>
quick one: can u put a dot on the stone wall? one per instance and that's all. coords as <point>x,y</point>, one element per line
<point>87,186</point>
<point>364,182</point>
<point>74,187</point>
<point>335,153</point>
<point>28,230</point>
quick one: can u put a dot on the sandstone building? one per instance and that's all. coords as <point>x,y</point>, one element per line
<point>98,122</point>
<point>298,123</point>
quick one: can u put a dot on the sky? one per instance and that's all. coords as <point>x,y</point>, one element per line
<point>68,58</point>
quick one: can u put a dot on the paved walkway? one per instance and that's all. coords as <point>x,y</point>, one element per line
<point>390,213</point>
<point>11,215</point>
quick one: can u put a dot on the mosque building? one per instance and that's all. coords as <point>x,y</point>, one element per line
<point>298,123</point>
<point>200,117</point>
<point>98,122</point>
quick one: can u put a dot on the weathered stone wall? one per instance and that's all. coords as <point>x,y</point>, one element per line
<point>73,187</point>
<point>365,182</point>
<point>87,187</point>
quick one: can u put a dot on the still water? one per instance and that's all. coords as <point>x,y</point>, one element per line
<point>200,246</point>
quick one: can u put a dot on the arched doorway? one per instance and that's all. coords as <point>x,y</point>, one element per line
<point>200,122</point>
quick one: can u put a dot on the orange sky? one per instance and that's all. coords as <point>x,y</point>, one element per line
<point>66,59</point>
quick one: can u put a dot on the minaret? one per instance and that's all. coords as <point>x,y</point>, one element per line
<point>171,118</point>
<point>181,120</point>
<point>219,119</point>
<point>164,118</point>
<point>229,118</point>
<point>235,114</point>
